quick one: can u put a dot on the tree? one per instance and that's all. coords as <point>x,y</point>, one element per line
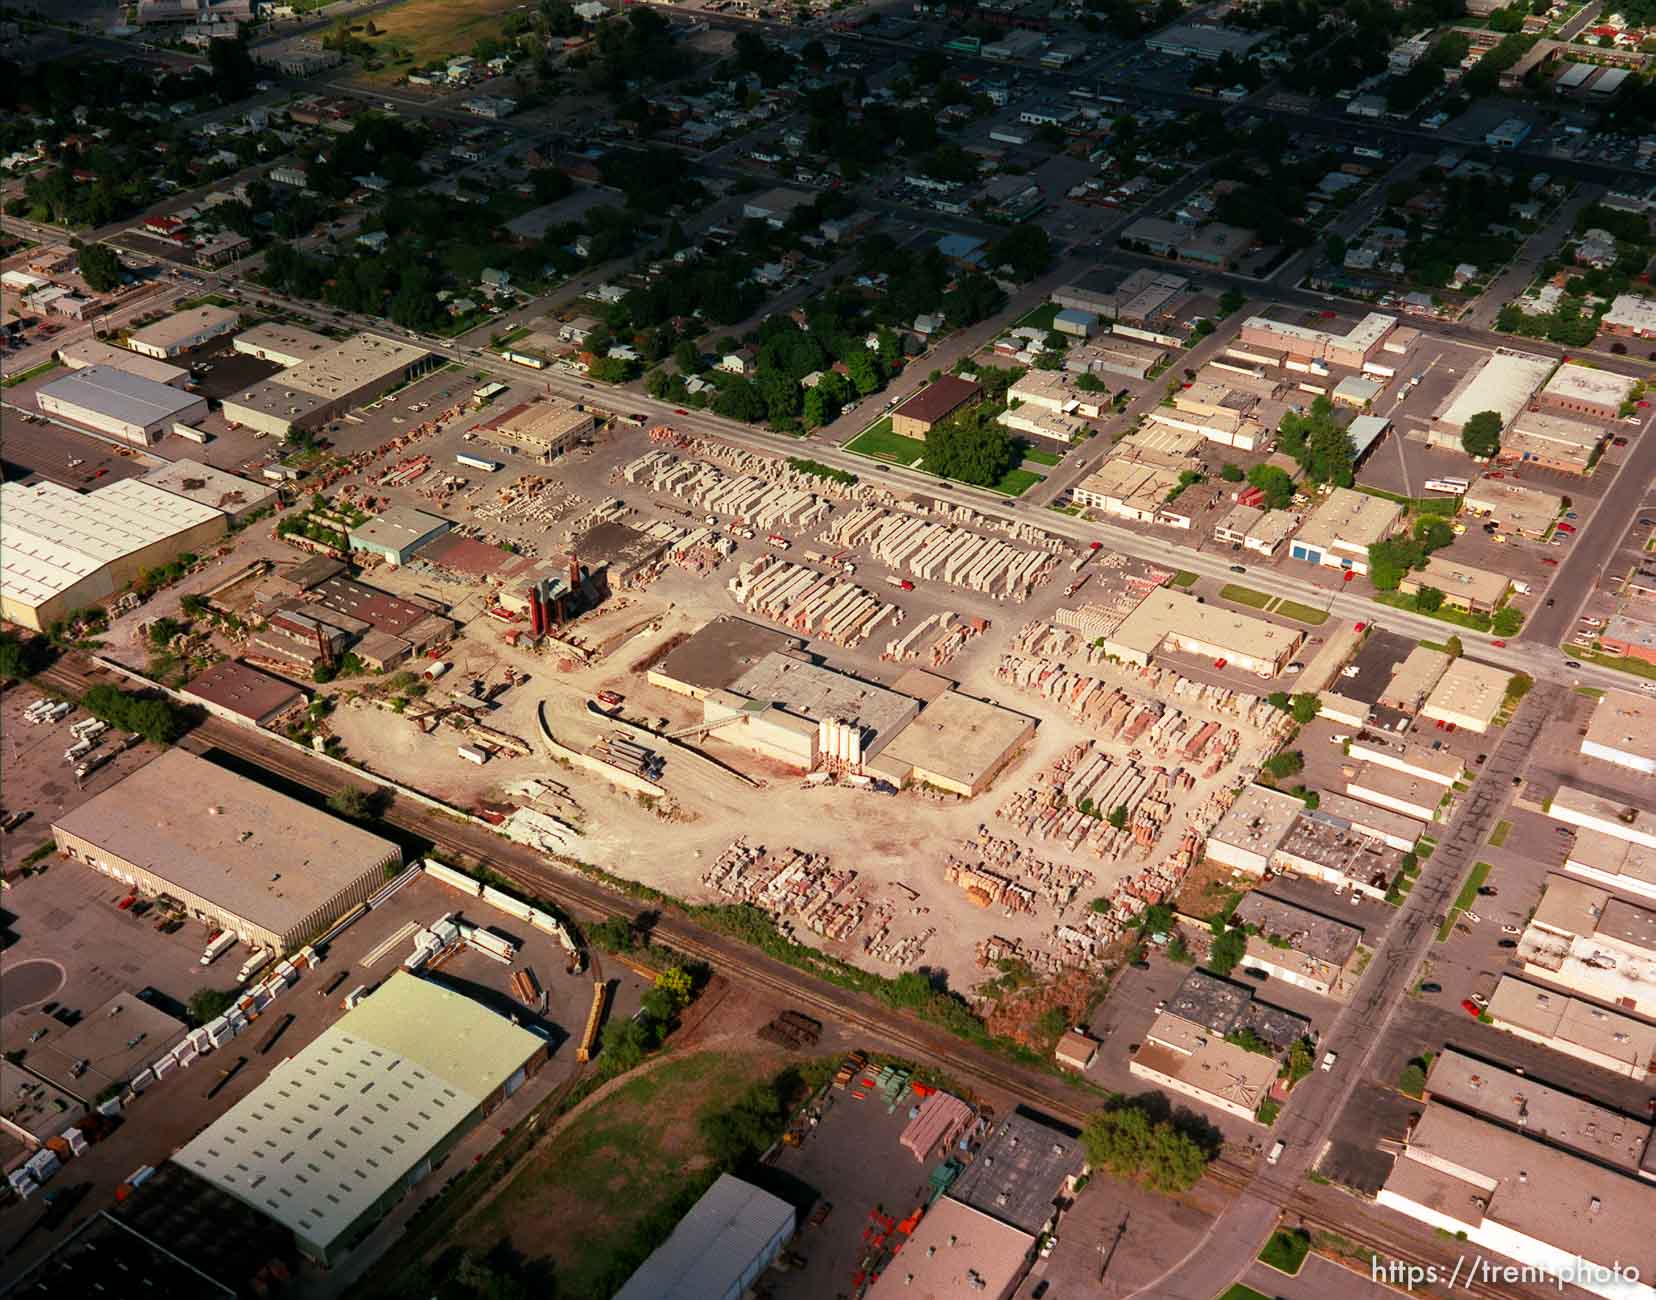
<point>1481,435</point>
<point>1453,647</point>
<point>1334,247</point>
<point>1118,817</point>
<point>1428,600</point>
<point>234,74</point>
<point>1231,473</point>
<point>1391,560</point>
<point>99,266</point>
<point>970,449</point>
<point>1288,762</point>
<point>352,801</point>
<point>1305,708</point>
<point>20,658</point>
<point>1027,250</point>
<point>1230,945</point>
<point>1280,700</point>
<point>209,1004</point>
<point>1275,483</point>
<point>1317,442</point>
<point>1506,621</point>
<point>1125,1139</point>
<point>687,357</point>
<point>1433,533</point>
<point>676,983</point>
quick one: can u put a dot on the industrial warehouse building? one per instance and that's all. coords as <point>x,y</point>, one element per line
<point>182,331</point>
<point>286,345</point>
<point>62,550</point>
<point>1189,1059</point>
<point>1512,1193</point>
<point>1478,591</point>
<point>234,497</point>
<point>957,744</point>
<point>1573,1027</point>
<point>95,352</point>
<point>545,429</point>
<point>1504,383</point>
<point>719,1249</point>
<point>956,1250</point>
<point>1253,828</point>
<point>377,1100</point>
<point>1469,696</point>
<point>239,693</point>
<point>121,404</point>
<point>236,854</point>
<point>326,385</point>
<point>1173,620</point>
<point>1302,346</point>
<point>1576,389</point>
<point>1622,731</point>
<point>395,535</point>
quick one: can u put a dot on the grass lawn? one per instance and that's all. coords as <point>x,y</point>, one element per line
<point>882,444</point>
<point>1245,596</point>
<point>1302,613</point>
<point>1461,618</point>
<point>1286,1251</point>
<point>1463,900</point>
<point>1622,664</point>
<point>1240,1292</point>
<point>418,32</point>
<point>1040,318</point>
<point>1017,482</point>
<point>627,1159</point>
<point>1184,578</point>
<point>45,367</point>
<point>1040,456</point>
<point>1498,836</point>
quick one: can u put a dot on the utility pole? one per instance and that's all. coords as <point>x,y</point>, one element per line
<point>1107,1253</point>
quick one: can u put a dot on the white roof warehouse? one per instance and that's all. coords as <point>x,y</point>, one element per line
<point>339,1131</point>
<point>61,550</point>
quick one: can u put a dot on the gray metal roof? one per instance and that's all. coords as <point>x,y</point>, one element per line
<point>714,1247</point>
<point>1020,1172</point>
<point>121,395</point>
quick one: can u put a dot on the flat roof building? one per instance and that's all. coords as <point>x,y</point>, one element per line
<point>183,331</point>
<point>933,404</point>
<point>1173,620</point>
<point>62,550</point>
<point>1464,587</point>
<point>327,384</point>
<point>1340,531</point>
<point>232,496</point>
<point>1318,950</point>
<point>1528,1201</point>
<point>1256,530</point>
<point>1389,788</point>
<point>236,854</point>
<point>1022,1169</point>
<point>543,428</point>
<point>286,345</point>
<point>731,1235</point>
<point>396,534</point>
<point>1503,383</point>
<point>1224,1006</point>
<point>1558,442</point>
<point>1192,1060</point>
<point>435,1063</point>
<point>1618,817</point>
<point>1127,489</point>
<point>1519,1103</point>
<point>1305,343</point>
<point>1587,940</point>
<point>1574,1027</point>
<point>1586,390</point>
<point>1348,844</point>
<point>1468,696</point>
<point>1414,679</point>
<point>1439,766</point>
<point>1631,315</point>
<point>240,693</point>
<point>119,403</point>
<point>957,744</point>
<point>955,1251</point>
<point>95,352</point>
<point>716,654</point>
<point>1525,510</point>
<point>1617,863</point>
<point>1253,828</point>
<point>1622,731</point>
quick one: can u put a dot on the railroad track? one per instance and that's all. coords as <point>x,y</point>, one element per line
<point>587,900</point>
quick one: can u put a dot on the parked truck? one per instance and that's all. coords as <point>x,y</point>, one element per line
<point>253,965</point>
<point>220,944</point>
<point>902,584</point>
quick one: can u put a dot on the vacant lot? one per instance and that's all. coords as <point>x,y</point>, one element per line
<point>635,1154</point>
<point>416,33</point>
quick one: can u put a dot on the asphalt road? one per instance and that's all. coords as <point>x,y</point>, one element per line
<point>1226,1253</point>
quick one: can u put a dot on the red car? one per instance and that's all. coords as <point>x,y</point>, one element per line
<point>1494,475</point>
<point>1359,627</point>
<point>1501,645</point>
<point>1547,559</point>
<point>1347,576</point>
<point>1220,663</point>
<point>1566,528</point>
<point>1471,1008</point>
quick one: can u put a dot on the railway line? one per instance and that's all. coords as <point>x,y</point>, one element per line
<point>587,901</point>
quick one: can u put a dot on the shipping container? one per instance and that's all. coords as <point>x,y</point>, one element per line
<point>477,462</point>
<point>472,754</point>
<point>218,947</point>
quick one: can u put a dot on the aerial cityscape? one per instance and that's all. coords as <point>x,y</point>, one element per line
<point>953,649</point>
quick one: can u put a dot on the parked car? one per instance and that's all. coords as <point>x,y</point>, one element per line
<point>1471,1008</point>
<point>1238,568</point>
<point>1507,943</point>
<point>1431,986</point>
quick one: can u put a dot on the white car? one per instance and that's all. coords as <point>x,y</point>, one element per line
<point>1510,929</point>
<point>1328,1060</point>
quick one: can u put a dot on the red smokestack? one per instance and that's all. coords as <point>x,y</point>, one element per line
<point>537,612</point>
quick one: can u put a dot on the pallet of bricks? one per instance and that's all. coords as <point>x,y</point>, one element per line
<point>708,489</point>
<point>814,604</point>
<point>937,640</point>
<point>943,552</point>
